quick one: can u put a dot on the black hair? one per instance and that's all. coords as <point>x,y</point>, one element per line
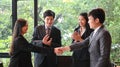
<point>48,13</point>
<point>85,15</point>
<point>98,13</point>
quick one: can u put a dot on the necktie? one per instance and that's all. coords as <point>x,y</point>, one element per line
<point>48,31</point>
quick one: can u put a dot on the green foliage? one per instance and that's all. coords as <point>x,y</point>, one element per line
<point>113,25</point>
<point>5,44</point>
<point>5,61</point>
<point>5,25</point>
<point>5,20</point>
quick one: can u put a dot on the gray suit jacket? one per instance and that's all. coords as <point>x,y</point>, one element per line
<point>99,48</point>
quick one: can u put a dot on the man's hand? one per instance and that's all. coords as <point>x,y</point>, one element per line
<point>60,50</point>
<point>46,40</point>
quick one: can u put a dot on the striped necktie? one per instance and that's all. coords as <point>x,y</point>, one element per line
<point>48,30</point>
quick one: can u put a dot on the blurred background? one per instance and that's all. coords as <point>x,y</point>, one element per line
<point>67,12</point>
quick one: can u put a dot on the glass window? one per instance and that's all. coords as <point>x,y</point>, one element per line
<point>25,9</point>
<point>5,28</point>
<point>5,24</point>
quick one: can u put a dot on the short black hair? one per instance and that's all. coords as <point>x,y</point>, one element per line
<point>98,13</point>
<point>48,13</point>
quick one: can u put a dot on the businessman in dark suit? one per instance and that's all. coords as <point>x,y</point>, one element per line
<point>99,41</point>
<point>42,60</point>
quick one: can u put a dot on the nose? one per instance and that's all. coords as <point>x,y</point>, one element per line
<point>49,21</point>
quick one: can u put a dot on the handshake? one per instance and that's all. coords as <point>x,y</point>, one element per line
<point>58,50</point>
<point>61,50</point>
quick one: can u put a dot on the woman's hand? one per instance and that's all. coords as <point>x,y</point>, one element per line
<point>76,36</point>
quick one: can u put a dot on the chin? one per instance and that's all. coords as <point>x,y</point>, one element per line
<point>91,28</point>
<point>49,25</point>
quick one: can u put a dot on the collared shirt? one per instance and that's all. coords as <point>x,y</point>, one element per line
<point>96,30</point>
<point>82,31</point>
<point>47,27</point>
<point>48,30</point>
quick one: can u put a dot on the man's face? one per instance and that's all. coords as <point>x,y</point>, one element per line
<point>92,22</point>
<point>49,21</point>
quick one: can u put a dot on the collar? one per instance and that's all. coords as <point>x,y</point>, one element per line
<point>96,29</point>
<point>47,27</point>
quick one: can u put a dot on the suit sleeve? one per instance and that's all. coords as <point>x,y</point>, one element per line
<point>35,34</point>
<point>105,45</point>
<point>24,46</point>
<point>35,40</point>
<point>79,45</point>
<point>57,42</point>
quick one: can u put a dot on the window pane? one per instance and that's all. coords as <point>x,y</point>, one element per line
<point>5,24</point>
<point>5,28</point>
<point>25,9</point>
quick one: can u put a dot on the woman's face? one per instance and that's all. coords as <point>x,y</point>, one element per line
<point>25,28</point>
<point>82,21</point>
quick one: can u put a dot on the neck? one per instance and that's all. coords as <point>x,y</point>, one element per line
<point>83,27</point>
<point>22,33</point>
<point>98,26</point>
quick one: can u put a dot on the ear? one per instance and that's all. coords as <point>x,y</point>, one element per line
<point>97,20</point>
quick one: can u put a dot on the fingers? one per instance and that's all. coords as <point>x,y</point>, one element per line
<point>60,50</point>
<point>74,34</point>
<point>66,48</point>
<point>46,40</point>
<point>46,37</point>
<point>49,41</point>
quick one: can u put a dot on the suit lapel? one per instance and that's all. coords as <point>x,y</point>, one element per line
<point>52,31</point>
<point>92,38</point>
<point>42,31</point>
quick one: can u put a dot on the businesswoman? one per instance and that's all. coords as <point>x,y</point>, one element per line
<point>81,57</point>
<point>20,50</point>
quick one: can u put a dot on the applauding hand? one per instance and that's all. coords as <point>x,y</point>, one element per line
<point>76,36</point>
<point>46,40</point>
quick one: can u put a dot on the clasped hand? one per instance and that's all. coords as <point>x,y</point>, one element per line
<point>60,50</point>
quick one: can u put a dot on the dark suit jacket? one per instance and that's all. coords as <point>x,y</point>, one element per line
<point>21,56</point>
<point>38,34</point>
<point>99,48</point>
<point>82,54</point>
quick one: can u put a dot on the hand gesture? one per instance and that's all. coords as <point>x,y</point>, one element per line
<point>66,48</point>
<point>58,51</point>
<point>76,36</point>
<point>46,40</point>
